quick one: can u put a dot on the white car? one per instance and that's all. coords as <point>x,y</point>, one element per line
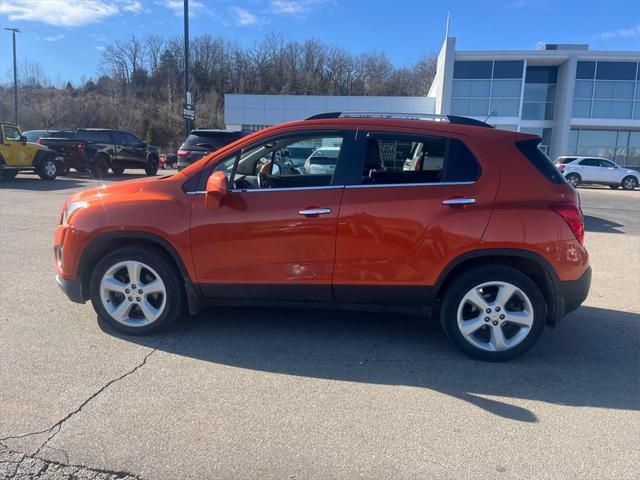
<point>579,170</point>
<point>322,161</point>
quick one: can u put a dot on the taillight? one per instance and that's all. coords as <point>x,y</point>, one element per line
<point>80,147</point>
<point>183,152</point>
<point>571,214</point>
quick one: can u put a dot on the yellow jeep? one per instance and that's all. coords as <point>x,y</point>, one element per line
<point>18,155</point>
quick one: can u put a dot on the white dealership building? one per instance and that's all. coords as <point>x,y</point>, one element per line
<point>579,101</point>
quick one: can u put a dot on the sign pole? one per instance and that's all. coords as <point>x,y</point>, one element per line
<point>187,95</point>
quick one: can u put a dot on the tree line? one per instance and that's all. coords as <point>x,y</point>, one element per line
<point>140,83</point>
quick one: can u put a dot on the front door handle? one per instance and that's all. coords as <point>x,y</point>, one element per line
<point>458,201</point>
<point>314,212</point>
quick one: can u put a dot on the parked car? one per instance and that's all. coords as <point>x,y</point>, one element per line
<point>203,141</point>
<point>322,161</point>
<point>494,258</point>
<point>19,155</point>
<point>578,170</point>
<point>168,160</point>
<point>99,149</point>
<point>35,135</point>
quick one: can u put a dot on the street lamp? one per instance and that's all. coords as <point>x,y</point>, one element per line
<point>187,111</point>
<point>15,75</point>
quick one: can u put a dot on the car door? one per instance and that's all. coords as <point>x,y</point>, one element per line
<point>589,170</point>
<point>121,146</point>
<point>136,149</point>
<point>608,172</point>
<point>273,236</point>
<point>13,150</point>
<point>413,202</point>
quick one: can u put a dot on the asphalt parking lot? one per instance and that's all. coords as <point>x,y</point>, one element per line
<point>261,394</point>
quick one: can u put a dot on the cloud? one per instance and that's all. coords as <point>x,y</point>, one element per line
<point>196,7</point>
<point>66,13</point>
<point>631,32</point>
<point>242,17</point>
<point>100,48</point>
<point>53,38</point>
<point>297,8</point>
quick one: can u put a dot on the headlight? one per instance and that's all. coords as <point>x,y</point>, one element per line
<point>71,208</point>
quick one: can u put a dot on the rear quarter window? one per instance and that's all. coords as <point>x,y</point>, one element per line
<point>542,163</point>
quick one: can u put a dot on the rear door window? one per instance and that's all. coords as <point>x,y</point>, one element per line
<point>94,136</point>
<point>119,138</point>
<point>404,159</point>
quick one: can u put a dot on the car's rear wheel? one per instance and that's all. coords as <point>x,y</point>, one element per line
<point>136,291</point>
<point>8,174</point>
<point>48,169</point>
<point>493,313</point>
<point>629,183</point>
<point>99,168</point>
<point>574,179</point>
<point>152,166</point>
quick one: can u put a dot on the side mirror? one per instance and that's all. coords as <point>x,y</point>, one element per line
<point>216,190</point>
<point>23,139</point>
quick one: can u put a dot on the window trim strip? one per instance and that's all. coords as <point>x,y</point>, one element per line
<point>333,187</point>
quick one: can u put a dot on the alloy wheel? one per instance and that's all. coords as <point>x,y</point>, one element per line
<point>133,294</point>
<point>50,168</point>
<point>495,316</point>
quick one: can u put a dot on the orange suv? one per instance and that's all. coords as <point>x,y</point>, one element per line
<point>407,215</point>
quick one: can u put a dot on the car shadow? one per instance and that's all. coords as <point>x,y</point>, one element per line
<point>602,225</point>
<point>591,360</point>
<point>36,184</point>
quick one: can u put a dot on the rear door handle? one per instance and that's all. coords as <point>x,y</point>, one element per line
<point>458,201</point>
<point>314,211</point>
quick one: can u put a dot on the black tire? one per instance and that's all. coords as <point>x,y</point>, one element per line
<point>48,168</point>
<point>152,166</point>
<point>474,277</point>
<point>8,174</point>
<point>615,186</point>
<point>629,182</point>
<point>169,275</point>
<point>574,179</point>
<point>99,168</point>
<point>117,170</point>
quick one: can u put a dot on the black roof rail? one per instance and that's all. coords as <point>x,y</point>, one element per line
<point>453,119</point>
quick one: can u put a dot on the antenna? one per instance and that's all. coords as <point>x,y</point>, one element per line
<point>491,112</point>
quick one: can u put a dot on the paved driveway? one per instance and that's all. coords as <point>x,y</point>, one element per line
<point>253,393</point>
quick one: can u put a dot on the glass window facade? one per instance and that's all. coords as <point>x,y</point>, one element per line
<point>607,90</point>
<point>622,146</point>
<point>481,88</point>
<point>539,93</point>
<point>545,133</point>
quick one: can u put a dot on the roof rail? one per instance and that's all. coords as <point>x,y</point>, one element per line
<point>454,119</point>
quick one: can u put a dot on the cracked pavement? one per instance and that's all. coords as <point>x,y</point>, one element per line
<point>251,393</point>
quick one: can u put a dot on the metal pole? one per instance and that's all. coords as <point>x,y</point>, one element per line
<point>186,61</point>
<point>15,76</point>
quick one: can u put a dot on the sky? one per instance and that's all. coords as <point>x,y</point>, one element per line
<point>67,37</point>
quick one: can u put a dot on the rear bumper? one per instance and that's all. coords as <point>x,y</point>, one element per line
<point>71,288</point>
<point>573,293</point>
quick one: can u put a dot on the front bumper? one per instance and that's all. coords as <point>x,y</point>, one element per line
<point>71,288</point>
<point>573,293</point>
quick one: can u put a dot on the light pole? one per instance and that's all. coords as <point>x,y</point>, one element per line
<point>187,99</point>
<point>15,75</point>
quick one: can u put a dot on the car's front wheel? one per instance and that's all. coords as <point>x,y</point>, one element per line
<point>152,166</point>
<point>48,169</point>
<point>136,291</point>
<point>493,313</point>
<point>574,179</point>
<point>629,183</point>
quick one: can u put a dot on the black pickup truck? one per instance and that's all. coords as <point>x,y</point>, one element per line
<point>97,150</point>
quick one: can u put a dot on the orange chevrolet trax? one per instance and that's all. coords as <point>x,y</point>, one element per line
<point>342,210</point>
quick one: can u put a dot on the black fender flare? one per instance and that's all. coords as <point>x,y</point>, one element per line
<point>96,244</point>
<point>555,305</point>
<point>41,155</point>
